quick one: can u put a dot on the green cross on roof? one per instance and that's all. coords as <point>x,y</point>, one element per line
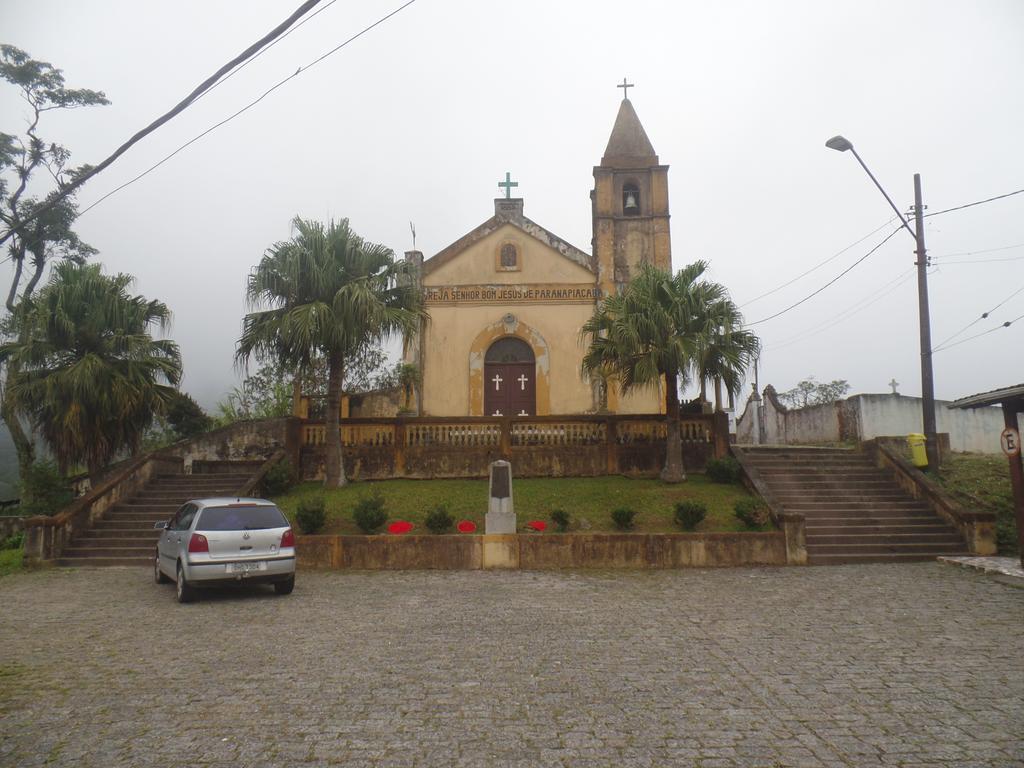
<point>508,184</point>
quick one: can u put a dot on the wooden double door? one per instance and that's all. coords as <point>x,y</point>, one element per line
<point>510,388</point>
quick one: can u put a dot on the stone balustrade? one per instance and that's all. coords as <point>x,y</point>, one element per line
<point>537,446</point>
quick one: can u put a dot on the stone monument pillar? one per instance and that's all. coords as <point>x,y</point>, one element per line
<point>501,515</point>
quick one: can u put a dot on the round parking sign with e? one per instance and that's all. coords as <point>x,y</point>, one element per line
<point>1010,441</point>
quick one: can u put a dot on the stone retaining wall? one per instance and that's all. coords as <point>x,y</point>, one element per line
<point>543,551</point>
<point>977,528</point>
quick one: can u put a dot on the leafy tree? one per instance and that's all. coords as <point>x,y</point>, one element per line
<point>811,392</point>
<point>33,240</point>
<point>659,329</point>
<point>38,239</point>
<point>367,370</point>
<point>265,394</point>
<point>90,377</point>
<point>186,417</point>
<point>330,293</point>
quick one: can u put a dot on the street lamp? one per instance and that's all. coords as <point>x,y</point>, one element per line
<point>842,144</point>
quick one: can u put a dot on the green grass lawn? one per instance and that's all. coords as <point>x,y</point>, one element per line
<point>982,482</point>
<point>589,500</point>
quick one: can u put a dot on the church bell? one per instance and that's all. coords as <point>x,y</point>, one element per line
<point>630,202</point>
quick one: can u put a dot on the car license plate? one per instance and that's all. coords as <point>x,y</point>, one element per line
<point>258,565</point>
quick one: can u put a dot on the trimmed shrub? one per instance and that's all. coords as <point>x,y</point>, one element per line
<point>623,518</point>
<point>751,512</point>
<point>310,515</point>
<point>561,519</point>
<point>439,520</point>
<point>689,514</point>
<point>369,514</point>
<point>278,480</point>
<point>726,470</point>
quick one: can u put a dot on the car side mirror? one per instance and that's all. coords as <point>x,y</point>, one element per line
<point>161,526</point>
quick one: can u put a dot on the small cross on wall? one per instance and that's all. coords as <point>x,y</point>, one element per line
<point>894,384</point>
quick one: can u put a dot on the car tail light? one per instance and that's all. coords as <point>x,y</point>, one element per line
<point>287,539</point>
<point>198,543</point>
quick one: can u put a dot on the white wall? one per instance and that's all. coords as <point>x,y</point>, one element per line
<point>863,417</point>
<point>975,429</point>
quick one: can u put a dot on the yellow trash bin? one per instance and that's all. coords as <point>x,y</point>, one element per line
<point>918,455</point>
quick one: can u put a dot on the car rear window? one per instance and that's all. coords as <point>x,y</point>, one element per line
<point>240,518</point>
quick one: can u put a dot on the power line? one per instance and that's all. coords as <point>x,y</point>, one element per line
<point>853,309</point>
<point>818,265</point>
<point>977,202</point>
<point>245,64</point>
<point>984,315</point>
<point>248,106</point>
<point>830,282</point>
<point>204,86</point>
<point>980,261</point>
<point>1007,324</point>
<point>986,250</point>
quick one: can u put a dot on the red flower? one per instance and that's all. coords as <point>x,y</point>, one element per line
<point>400,526</point>
<point>537,525</point>
<point>466,526</point>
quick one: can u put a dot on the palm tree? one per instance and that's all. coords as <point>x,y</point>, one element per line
<point>728,350</point>
<point>661,325</point>
<point>329,291</point>
<point>408,379</point>
<point>86,371</point>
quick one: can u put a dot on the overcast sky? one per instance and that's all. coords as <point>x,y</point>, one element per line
<point>420,118</point>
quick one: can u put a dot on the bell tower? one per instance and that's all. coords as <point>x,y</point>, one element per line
<point>629,203</point>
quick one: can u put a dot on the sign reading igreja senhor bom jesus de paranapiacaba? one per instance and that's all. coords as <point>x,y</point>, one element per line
<point>504,294</point>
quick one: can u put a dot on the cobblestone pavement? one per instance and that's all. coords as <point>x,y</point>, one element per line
<point>884,665</point>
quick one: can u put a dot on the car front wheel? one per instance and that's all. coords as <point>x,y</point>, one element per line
<point>158,575</point>
<point>284,587</point>
<point>186,592</point>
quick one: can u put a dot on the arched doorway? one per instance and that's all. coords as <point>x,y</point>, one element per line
<point>510,387</point>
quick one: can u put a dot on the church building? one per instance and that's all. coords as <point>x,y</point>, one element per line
<point>507,300</point>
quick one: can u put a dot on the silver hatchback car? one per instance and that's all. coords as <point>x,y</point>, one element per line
<point>213,542</point>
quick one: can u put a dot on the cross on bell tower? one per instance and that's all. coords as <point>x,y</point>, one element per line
<point>630,203</point>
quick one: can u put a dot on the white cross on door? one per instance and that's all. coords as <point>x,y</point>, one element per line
<point>497,413</point>
<point>522,382</point>
<point>523,413</point>
<point>497,384</point>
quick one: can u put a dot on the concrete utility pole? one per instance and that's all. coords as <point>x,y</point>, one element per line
<point>842,144</point>
<point>931,445</point>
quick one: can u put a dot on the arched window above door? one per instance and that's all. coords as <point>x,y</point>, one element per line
<point>509,350</point>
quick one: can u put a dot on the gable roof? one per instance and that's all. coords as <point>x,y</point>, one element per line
<point>993,397</point>
<point>510,211</point>
<point>628,146</point>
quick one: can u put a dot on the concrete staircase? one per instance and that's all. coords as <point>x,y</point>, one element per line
<point>854,511</point>
<point>126,535</point>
